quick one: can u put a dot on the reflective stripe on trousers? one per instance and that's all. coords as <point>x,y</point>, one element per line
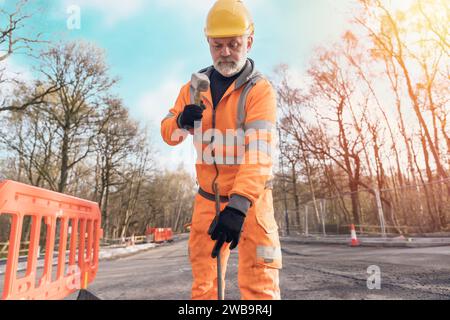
<point>259,252</point>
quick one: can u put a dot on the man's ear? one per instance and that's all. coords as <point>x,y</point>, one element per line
<point>250,41</point>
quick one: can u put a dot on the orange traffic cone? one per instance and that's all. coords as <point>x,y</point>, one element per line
<point>355,241</point>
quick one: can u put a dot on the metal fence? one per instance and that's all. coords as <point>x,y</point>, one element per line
<point>124,241</point>
<point>411,209</point>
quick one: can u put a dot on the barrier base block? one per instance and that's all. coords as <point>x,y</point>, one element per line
<point>86,295</point>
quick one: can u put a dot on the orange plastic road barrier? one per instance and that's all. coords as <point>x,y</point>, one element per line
<point>159,235</point>
<point>169,234</point>
<point>149,231</point>
<point>75,221</point>
<point>162,234</point>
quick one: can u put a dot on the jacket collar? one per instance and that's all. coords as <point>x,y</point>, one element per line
<point>248,74</point>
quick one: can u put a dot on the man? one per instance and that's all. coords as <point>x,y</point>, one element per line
<point>240,106</point>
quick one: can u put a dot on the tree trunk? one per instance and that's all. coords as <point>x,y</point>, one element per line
<point>64,163</point>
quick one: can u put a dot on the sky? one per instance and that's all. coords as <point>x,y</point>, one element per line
<point>154,46</point>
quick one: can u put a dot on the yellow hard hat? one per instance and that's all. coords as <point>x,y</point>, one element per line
<point>228,18</point>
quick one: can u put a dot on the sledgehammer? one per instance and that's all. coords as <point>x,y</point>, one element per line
<point>219,243</point>
<point>199,83</point>
<point>219,264</point>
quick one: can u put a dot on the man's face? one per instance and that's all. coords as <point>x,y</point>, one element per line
<point>230,54</point>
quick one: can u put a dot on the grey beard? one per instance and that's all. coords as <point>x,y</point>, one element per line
<point>239,66</point>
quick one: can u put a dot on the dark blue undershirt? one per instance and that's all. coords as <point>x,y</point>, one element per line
<point>220,85</point>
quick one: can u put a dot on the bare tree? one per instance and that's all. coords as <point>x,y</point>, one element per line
<point>13,26</point>
<point>115,141</point>
<point>390,40</point>
<point>17,37</point>
<point>30,137</point>
<point>79,70</point>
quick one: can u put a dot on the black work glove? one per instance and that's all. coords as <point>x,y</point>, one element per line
<point>191,113</point>
<point>226,228</point>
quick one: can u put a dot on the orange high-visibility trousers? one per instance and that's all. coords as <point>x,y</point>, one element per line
<point>259,252</point>
<point>239,134</point>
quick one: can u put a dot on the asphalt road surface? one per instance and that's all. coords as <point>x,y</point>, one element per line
<point>310,272</point>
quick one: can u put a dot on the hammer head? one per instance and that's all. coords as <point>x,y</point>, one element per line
<point>200,82</point>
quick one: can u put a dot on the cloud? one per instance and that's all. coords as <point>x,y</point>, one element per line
<point>152,107</point>
<point>11,69</point>
<point>189,8</point>
<point>115,11</point>
<point>112,11</point>
<point>171,158</point>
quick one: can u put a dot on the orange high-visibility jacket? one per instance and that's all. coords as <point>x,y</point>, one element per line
<point>248,108</point>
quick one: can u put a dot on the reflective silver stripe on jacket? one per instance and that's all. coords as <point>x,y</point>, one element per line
<point>260,146</point>
<point>259,125</point>
<point>241,114</point>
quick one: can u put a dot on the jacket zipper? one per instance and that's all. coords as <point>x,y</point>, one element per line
<point>213,153</point>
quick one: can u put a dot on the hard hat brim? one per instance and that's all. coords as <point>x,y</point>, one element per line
<point>229,33</point>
